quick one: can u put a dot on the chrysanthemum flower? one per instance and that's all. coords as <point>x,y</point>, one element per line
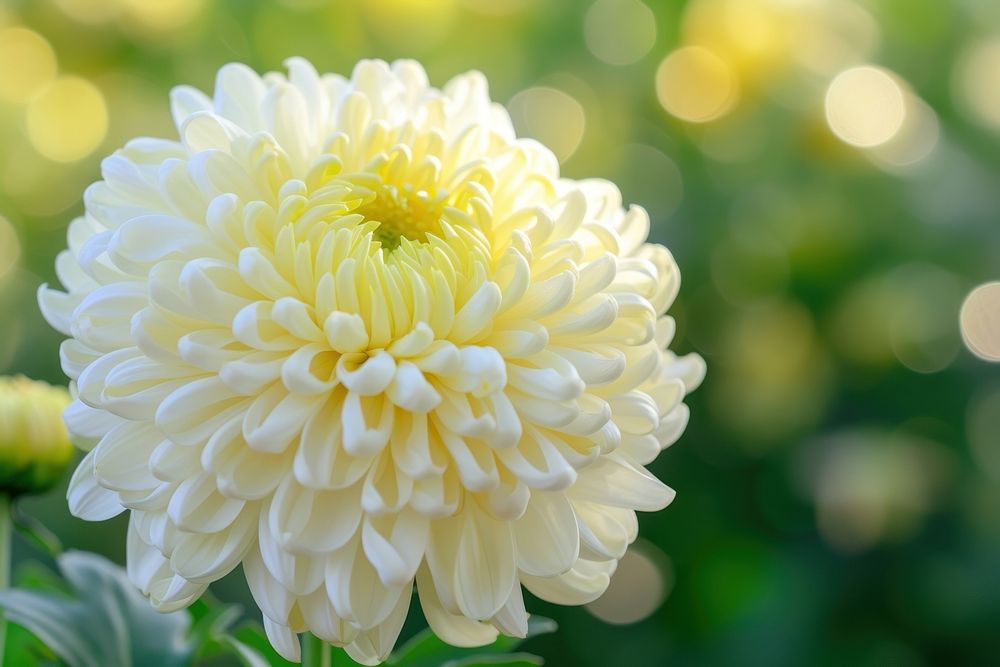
<point>356,335</point>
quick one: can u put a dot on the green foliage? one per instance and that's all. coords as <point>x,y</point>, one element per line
<point>426,650</point>
<point>95,617</point>
<point>105,621</point>
<point>251,635</point>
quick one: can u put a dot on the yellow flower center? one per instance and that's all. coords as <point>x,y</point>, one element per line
<point>402,212</point>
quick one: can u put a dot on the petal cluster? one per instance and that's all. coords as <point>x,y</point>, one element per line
<point>355,335</point>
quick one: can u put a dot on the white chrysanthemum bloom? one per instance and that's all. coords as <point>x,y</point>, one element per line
<point>355,335</point>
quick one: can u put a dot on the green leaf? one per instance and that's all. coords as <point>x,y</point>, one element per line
<point>339,658</point>
<point>252,635</point>
<point>35,531</point>
<point>106,621</point>
<point>248,655</point>
<point>426,650</point>
<point>214,623</point>
<point>34,576</point>
<point>505,659</point>
<point>25,649</point>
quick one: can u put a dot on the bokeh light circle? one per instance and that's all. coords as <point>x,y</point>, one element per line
<point>551,116</point>
<point>695,85</point>
<point>27,62</point>
<point>976,81</point>
<point>619,32</point>
<point>641,582</point>
<point>865,106</point>
<point>916,139</point>
<point>980,321</point>
<point>67,120</point>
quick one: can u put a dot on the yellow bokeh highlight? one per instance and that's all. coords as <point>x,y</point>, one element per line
<point>496,8</point>
<point>696,85</point>
<point>552,117</point>
<point>162,15</point>
<point>865,106</point>
<point>414,24</point>
<point>753,36</point>
<point>67,120</point>
<point>27,62</point>
<point>734,51</point>
<point>832,35</point>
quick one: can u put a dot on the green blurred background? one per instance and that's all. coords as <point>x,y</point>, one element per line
<point>826,174</point>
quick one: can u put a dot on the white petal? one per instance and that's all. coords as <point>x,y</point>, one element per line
<point>301,574</point>
<point>605,532</point>
<point>394,545</point>
<point>474,318</point>
<point>87,499</point>
<point>197,506</point>
<point>346,332</point>
<point>274,599</point>
<point>321,460</point>
<point>411,391</point>
<point>672,426</point>
<point>143,563</point>
<point>385,490</point>
<point>512,619</point>
<point>242,472</point>
<point>238,95</point>
<point>322,619</point>
<point>548,541</point>
<point>205,558</point>
<point>485,570</point>
<point>586,582</point>
<point>690,369</point>
<point>454,629</point>
<point>87,422</point>
<point>367,424</point>
<point>373,646</point>
<point>57,308</point>
<point>284,641</point>
<point>369,377</point>
<point>197,409</point>
<point>311,520</point>
<point>185,100</point>
<point>277,417</point>
<point>355,589</point>
<point>121,459</point>
<point>610,481</point>
<point>537,463</point>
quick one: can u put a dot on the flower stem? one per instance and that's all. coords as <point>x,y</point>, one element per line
<point>5,539</point>
<point>315,651</point>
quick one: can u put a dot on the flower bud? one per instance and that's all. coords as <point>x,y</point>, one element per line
<point>34,444</point>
